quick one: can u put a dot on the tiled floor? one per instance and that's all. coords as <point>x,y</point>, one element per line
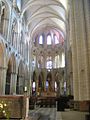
<point>53,114</point>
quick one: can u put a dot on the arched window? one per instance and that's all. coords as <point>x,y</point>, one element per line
<point>57,61</point>
<point>55,86</point>
<point>63,60</point>
<point>34,86</point>
<point>46,84</point>
<point>49,63</point>
<point>56,39</point>
<point>49,40</point>
<point>41,39</point>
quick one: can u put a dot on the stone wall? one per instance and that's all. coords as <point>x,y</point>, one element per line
<point>81,106</point>
<point>16,105</point>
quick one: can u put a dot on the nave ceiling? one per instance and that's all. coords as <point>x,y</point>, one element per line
<point>42,15</point>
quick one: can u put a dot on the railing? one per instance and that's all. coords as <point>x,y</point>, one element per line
<point>42,102</point>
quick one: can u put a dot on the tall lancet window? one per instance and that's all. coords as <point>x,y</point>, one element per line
<point>49,40</point>
<point>41,39</point>
<point>56,39</point>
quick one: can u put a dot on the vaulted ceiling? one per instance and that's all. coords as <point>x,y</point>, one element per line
<point>43,14</point>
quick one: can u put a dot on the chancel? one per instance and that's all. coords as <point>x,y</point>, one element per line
<point>45,59</point>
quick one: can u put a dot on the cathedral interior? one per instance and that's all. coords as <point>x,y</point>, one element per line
<point>44,59</point>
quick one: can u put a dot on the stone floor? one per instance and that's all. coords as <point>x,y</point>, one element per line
<point>53,114</point>
<point>71,115</point>
<point>43,114</point>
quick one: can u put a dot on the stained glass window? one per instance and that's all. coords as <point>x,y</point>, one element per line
<point>41,39</point>
<point>49,40</point>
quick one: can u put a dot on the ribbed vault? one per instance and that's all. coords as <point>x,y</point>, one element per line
<point>41,14</point>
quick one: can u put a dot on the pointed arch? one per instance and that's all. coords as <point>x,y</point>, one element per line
<point>2,67</point>
<point>20,84</point>
<point>11,70</point>
<point>5,12</point>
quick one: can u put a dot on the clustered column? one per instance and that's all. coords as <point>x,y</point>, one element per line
<point>87,23</point>
<point>79,50</point>
<point>74,52</point>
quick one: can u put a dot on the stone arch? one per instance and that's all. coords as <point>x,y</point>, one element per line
<point>2,68</point>
<point>4,21</point>
<point>11,75</point>
<point>20,78</point>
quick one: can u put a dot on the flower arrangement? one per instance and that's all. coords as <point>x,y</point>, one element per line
<point>4,112</point>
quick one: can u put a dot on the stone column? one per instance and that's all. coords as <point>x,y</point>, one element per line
<point>36,81</point>
<point>53,80</point>
<point>21,84</point>
<point>87,31</point>
<point>79,50</point>
<point>0,14</point>
<point>45,78</point>
<point>2,80</point>
<point>13,83</point>
<point>74,52</point>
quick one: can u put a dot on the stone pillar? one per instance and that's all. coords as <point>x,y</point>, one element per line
<point>45,78</point>
<point>21,84</point>
<point>0,14</point>
<point>74,52</point>
<point>53,80</point>
<point>69,72</point>
<point>13,83</point>
<point>36,81</point>
<point>79,50</point>
<point>25,107</point>
<point>45,40</point>
<point>87,31</point>
<point>2,80</point>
